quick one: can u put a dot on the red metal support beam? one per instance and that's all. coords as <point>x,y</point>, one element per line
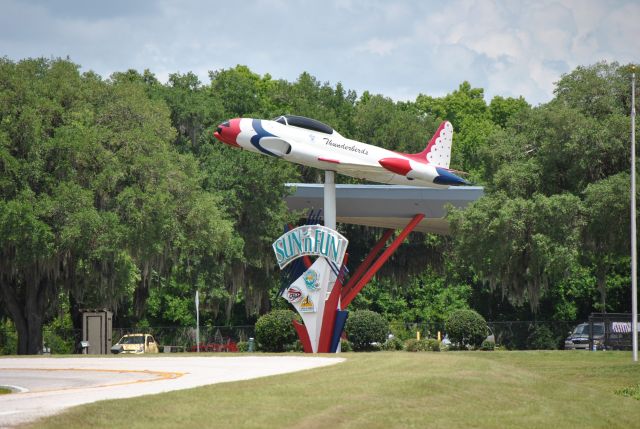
<point>307,261</point>
<point>329,315</point>
<point>364,266</point>
<point>303,335</point>
<point>380,262</point>
<point>330,309</point>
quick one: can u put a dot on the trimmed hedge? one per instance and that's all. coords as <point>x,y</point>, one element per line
<point>392,344</point>
<point>423,345</point>
<point>345,345</point>
<point>275,331</point>
<point>466,328</point>
<point>365,327</point>
<point>488,346</point>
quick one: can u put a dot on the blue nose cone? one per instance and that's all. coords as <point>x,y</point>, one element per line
<point>445,177</point>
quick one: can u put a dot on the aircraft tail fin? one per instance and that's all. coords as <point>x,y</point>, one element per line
<point>438,150</point>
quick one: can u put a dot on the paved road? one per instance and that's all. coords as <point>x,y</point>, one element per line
<point>49,385</point>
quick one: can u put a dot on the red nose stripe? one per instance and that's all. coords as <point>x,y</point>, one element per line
<point>229,134</point>
<point>396,165</point>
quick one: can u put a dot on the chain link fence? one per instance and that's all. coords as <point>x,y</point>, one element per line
<point>175,339</point>
<point>531,335</point>
<point>510,335</point>
<point>66,341</point>
<point>610,331</point>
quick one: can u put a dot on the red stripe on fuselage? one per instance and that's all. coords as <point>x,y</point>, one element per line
<point>333,161</point>
<point>396,165</point>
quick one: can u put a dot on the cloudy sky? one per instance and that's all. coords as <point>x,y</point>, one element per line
<point>396,48</point>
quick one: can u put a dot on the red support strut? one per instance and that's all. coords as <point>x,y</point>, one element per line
<point>303,335</point>
<point>367,262</point>
<point>351,294</point>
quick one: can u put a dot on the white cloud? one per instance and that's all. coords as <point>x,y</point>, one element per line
<point>399,49</point>
<point>498,44</point>
<point>378,47</point>
<point>620,30</point>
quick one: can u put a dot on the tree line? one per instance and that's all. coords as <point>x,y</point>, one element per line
<point>116,195</point>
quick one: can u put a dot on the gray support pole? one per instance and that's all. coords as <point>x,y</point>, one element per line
<point>197,322</point>
<point>330,208</point>
<point>634,251</point>
<point>330,199</point>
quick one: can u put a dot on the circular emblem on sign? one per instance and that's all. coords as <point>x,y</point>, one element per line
<point>294,294</point>
<point>311,280</point>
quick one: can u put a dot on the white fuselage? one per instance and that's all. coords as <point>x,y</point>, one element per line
<point>330,152</point>
<point>314,144</point>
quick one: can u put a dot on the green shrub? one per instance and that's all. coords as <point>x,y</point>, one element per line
<point>365,327</point>
<point>345,345</point>
<point>411,345</point>
<point>242,346</point>
<point>452,347</point>
<point>487,346</point>
<point>423,345</point>
<point>296,346</point>
<point>399,330</point>
<point>58,335</point>
<point>8,338</point>
<point>630,392</point>
<point>392,344</point>
<point>59,343</point>
<point>541,338</point>
<point>275,331</point>
<point>432,344</point>
<point>466,328</point>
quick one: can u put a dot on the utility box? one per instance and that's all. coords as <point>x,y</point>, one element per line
<point>97,332</point>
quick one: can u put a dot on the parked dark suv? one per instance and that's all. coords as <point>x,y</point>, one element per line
<point>579,338</point>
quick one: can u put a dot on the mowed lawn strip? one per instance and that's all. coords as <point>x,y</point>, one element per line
<point>397,390</point>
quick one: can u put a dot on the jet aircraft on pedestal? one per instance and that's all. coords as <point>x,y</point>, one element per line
<point>312,143</point>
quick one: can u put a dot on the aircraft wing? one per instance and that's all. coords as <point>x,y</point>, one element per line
<point>358,169</point>
<point>351,166</point>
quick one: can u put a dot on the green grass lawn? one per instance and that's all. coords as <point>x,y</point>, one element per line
<point>557,389</point>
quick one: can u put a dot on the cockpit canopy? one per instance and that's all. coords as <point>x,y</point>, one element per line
<point>302,122</point>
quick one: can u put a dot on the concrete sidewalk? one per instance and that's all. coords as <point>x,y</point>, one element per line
<point>54,384</point>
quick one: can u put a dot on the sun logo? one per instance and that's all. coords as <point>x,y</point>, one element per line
<point>311,280</point>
